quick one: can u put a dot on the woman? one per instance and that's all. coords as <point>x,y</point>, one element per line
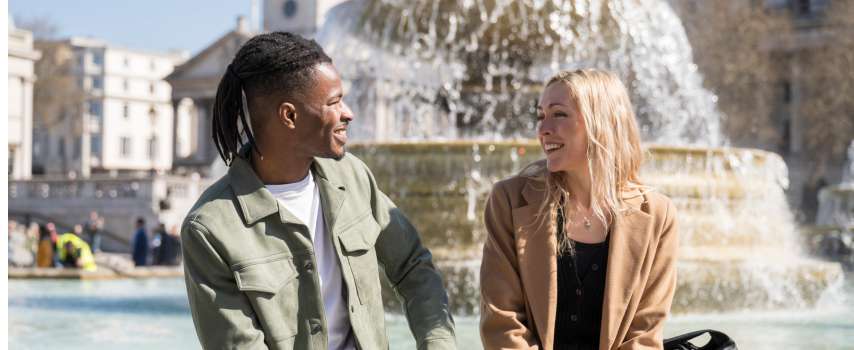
<point>579,255</point>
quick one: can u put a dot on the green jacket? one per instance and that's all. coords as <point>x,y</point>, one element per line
<point>249,264</point>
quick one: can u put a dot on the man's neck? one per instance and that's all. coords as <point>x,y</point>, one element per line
<point>283,170</point>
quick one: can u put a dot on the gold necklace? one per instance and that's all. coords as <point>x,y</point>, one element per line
<point>586,220</point>
<point>588,225</point>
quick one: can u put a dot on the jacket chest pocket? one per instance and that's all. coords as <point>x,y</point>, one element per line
<point>271,286</point>
<point>357,242</point>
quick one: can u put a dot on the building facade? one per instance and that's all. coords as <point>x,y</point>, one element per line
<point>125,121</point>
<point>21,77</point>
<point>304,17</point>
<point>194,86</point>
<point>782,72</point>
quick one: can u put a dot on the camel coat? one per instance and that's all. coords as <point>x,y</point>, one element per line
<point>519,271</point>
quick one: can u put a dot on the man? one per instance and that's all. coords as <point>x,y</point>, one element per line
<point>283,252</point>
<point>140,244</point>
<point>93,228</point>
<point>165,247</point>
<point>74,252</point>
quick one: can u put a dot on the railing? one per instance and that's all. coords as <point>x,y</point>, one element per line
<point>120,200</point>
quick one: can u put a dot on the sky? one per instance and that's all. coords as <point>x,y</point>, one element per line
<point>154,25</point>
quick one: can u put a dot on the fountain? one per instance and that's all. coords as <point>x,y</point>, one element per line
<point>836,203</point>
<point>446,92</point>
<point>441,91</point>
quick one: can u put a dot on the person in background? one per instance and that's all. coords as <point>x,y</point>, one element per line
<point>92,228</point>
<point>165,247</point>
<point>45,254</point>
<point>20,254</point>
<point>74,252</point>
<point>140,244</point>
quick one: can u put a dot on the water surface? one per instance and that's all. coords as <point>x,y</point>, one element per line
<point>153,314</point>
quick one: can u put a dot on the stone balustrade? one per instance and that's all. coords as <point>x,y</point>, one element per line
<point>120,200</point>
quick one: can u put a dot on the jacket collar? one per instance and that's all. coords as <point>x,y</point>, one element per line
<point>256,202</point>
<point>628,241</point>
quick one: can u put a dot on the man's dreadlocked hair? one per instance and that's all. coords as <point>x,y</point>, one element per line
<point>276,62</point>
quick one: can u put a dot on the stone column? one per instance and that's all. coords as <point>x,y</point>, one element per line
<point>175,104</point>
<point>206,149</point>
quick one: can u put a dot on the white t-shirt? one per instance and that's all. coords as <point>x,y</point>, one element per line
<point>302,199</point>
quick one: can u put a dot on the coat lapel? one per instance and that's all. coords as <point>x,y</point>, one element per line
<point>628,246</point>
<point>535,249</point>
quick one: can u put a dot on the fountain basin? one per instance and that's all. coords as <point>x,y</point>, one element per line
<point>738,249</point>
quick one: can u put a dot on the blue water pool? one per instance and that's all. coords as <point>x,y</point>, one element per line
<point>153,314</point>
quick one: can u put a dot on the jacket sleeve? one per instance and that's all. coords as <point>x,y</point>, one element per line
<point>409,267</point>
<point>223,317</point>
<point>645,331</point>
<point>503,315</point>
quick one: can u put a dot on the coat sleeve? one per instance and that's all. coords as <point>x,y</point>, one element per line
<point>645,331</point>
<point>222,315</point>
<point>409,267</point>
<point>503,315</point>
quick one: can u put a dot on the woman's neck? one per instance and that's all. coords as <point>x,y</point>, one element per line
<point>578,185</point>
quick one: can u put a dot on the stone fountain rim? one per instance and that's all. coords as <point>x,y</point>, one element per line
<point>651,147</point>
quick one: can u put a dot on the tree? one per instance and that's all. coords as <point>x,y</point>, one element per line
<point>58,98</point>
<point>732,42</point>
<point>828,84</point>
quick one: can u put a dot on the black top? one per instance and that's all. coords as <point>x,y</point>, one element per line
<point>580,295</point>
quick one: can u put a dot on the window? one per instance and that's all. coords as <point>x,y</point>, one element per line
<point>126,110</point>
<point>95,144</point>
<point>776,4</point>
<point>152,148</point>
<point>126,62</point>
<point>12,155</point>
<point>152,115</point>
<point>98,59</point>
<point>151,88</point>
<point>803,7</point>
<point>97,83</point>
<point>95,108</point>
<point>786,136</point>
<point>152,65</point>
<point>786,91</point>
<point>290,8</point>
<point>60,146</point>
<point>125,148</point>
<point>78,145</point>
<point>125,85</point>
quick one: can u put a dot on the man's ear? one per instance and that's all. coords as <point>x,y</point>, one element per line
<point>287,115</point>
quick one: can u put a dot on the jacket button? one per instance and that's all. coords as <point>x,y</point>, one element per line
<point>573,318</point>
<point>308,266</point>
<point>315,326</point>
<point>578,291</point>
<point>594,267</point>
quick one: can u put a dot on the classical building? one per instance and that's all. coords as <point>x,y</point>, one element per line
<point>21,78</point>
<point>125,120</point>
<point>304,17</point>
<point>194,86</point>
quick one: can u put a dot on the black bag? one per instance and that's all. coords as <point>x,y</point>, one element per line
<point>719,341</point>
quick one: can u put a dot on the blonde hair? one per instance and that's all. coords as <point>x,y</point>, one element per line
<point>614,153</point>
